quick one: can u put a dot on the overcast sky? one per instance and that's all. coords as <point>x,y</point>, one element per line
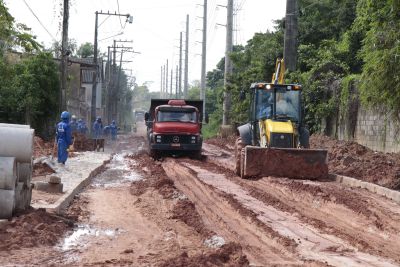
<point>154,31</point>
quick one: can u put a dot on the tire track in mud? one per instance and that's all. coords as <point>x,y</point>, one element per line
<point>221,217</point>
<point>367,221</point>
<point>312,244</point>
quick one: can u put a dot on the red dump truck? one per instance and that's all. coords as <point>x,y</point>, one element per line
<point>174,126</point>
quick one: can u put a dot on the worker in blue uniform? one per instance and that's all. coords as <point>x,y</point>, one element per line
<point>64,137</point>
<point>97,128</point>
<point>82,126</point>
<point>73,124</point>
<point>114,130</point>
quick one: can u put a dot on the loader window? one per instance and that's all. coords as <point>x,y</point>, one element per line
<point>288,104</point>
<point>264,101</point>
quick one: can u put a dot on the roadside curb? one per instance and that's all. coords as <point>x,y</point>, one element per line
<point>377,189</point>
<point>62,203</point>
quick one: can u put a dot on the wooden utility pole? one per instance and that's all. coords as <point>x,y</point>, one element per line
<point>203,60</point>
<point>186,79</point>
<point>291,29</point>
<point>64,58</point>
<point>180,67</point>
<point>228,65</point>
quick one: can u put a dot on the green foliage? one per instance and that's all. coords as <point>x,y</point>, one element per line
<point>380,79</point>
<point>85,50</point>
<point>56,48</point>
<point>30,94</point>
<point>15,35</point>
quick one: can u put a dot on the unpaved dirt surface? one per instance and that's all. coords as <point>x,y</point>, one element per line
<point>182,212</point>
<point>357,161</point>
<point>42,148</point>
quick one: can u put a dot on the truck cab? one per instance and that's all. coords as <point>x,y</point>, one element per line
<point>174,126</point>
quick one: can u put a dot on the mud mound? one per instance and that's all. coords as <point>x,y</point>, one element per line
<point>185,211</point>
<point>225,143</point>
<point>35,228</point>
<point>42,148</point>
<point>228,255</point>
<point>41,169</point>
<point>354,160</point>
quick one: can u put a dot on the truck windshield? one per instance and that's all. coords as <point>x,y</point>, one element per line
<point>287,104</point>
<point>174,115</point>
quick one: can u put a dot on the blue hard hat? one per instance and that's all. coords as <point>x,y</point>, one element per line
<point>113,121</point>
<point>98,119</point>
<point>64,115</point>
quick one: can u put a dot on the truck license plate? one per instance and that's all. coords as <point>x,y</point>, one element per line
<point>175,145</point>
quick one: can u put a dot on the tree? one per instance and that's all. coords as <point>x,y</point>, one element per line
<point>85,50</point>
<point>56,48</point>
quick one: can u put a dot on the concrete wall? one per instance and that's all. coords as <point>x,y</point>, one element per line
<point>374,128</point>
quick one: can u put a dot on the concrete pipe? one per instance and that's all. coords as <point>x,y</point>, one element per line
<point>15,125</point>
<point>8,173</point>
<point>6,203</point>
<point>24,173</point>
<point>23,196</point>
<point>17,142</point>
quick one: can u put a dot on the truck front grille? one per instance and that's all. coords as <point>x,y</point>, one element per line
<point>178,139</point>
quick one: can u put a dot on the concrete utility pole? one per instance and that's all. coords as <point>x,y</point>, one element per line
<point>108,85</point>
<point>176,81</point>
<point>172,73</point>
<point>203,60</point>
<point>228,65</point>
<point>186,79</point>
<point>180,67</point>
<point>94,79</point>
<point>161,81</point>
<point>166,81</point>
<point>291,29</point>
<point>95,62</point>
<point>64,58</point>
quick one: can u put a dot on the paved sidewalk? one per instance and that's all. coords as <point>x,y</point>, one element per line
<point>75,175</point>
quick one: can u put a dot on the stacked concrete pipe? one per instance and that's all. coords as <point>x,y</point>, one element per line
<point>16,150</point>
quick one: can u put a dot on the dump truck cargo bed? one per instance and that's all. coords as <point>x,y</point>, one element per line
<point>284,162</point>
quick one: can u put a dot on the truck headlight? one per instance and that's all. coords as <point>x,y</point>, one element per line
<point>193,139</point>
<point>158,138</point>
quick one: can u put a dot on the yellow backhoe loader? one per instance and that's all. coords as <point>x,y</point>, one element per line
<point>275,142</point>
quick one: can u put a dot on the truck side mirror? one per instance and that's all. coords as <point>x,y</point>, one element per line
<point>146,116</point>
<point>242,95</point>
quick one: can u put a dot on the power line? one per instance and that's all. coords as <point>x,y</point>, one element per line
<point>33,13</point>
<point>119,17</point>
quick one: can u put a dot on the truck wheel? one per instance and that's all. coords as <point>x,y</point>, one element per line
<point>238,154</point>
<point>154,154</point>
<point>196,154</point>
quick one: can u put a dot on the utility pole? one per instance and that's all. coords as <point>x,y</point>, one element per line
<point>108,84</point>
<point>64,58</point>
<point>180,67</point>
<point>290,45</point>
<point>95,63</point>
<point>172,73</point>
<point>203,60</point>
<point>166,81</point>
<point>228,65</point>
<point>176,81</point>
<point>94,79</point>
<point>161,81</point>
<point>186,79</point>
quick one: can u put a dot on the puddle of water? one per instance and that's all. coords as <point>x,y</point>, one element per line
<point>118,172</point>
<point>215,242</point>
<point>81,235</point>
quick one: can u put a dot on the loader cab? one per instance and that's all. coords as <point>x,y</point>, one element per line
<point>276,102</point>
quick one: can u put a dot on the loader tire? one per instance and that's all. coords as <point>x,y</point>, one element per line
<point>238,155</point>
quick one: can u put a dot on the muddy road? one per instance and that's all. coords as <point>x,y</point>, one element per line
<point>184,212</point>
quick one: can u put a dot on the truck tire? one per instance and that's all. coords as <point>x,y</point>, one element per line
<point>154,154</point>
<point>238,154</point>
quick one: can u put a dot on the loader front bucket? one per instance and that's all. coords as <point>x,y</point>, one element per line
<point>284,162</point>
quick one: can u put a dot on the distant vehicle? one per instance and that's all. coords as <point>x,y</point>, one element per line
<point>139,115</point>
<point>174,125</point>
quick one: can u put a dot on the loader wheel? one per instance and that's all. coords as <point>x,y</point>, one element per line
<point>238,155</point>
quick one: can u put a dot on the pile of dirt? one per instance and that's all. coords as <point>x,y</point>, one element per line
<point>41,169</point>
<point>42,148</point>
<point>354,160</point>
<point>32,229</point>
<point>225,143</point>
<point>228,255</point>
